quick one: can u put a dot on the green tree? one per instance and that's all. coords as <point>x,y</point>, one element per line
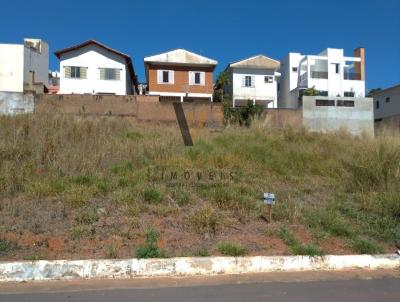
<point>220,84</point>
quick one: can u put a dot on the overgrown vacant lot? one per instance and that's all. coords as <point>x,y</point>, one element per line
<point>86,187</point>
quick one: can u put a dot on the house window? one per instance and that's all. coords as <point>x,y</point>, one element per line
<point>349,94</point>
<point>336,67</point>
<point>75,72</point>
<point>268,79</point>
<point>294,69</point>
<point>377,104</point>
<point>196,78</point>
<point>110,74</point>
<point>165,77</point>
<point>324,103</point>
<point>344,103</point>
<point>248,81</point>
<point>388,100</point>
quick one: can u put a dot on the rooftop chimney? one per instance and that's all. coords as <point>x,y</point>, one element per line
<point>359,67</point>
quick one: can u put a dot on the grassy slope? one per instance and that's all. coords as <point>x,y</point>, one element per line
<point>80,187</point>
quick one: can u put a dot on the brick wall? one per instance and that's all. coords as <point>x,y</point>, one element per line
<point>143,108</point>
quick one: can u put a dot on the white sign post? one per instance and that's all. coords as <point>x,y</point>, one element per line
<point>269,201</point>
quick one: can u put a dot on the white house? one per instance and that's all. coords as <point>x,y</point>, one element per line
<point>94,68</point>
<point>387,103</point>
<point>330,72</point>
<point>253,79</point>
<point>22,63</point>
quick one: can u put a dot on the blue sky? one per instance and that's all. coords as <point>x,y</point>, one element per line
<point>225,30</point>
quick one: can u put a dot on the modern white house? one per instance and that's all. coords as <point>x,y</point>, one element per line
<point>94,68</point>
<point>22,65</point>
<point>331,73</point>
<point>253,79</point>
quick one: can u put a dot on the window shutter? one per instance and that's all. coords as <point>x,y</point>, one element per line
<point>67,72</point>
<point>253,81</point>
<point>159,76</point>
<point>118,74</point>
<point>191,77</point>
<point>102,74</point>
<point>243,81</point>
<point>171,77</point>
<point>203,78</point>
<point>83,72</point>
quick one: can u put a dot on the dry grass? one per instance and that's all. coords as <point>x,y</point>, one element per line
<point>96,184</point>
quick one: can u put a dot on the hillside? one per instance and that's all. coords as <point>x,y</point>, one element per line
<point>95,187</point>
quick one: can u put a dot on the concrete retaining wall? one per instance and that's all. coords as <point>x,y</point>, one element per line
<point>356,119</point>
<point>16,102</point>
<point>125,269</point>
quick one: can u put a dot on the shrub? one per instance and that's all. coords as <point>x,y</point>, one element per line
<point>231,249</point>
<point>365,246</point>
<point>242,115</point>
<point>152,195</point>
<point>150,249</point>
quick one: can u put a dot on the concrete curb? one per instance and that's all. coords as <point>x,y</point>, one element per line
<point>130,268</point>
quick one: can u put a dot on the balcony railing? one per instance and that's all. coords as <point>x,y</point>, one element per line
<point>319,74</point>
<point>352,76</point>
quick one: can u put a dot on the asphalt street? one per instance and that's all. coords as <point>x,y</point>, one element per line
<point>385,289</point>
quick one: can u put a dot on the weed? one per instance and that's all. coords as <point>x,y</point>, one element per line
<point>231,249</point>
<point>328,219</point>
<point>152,195</point>
<point>205,220</point>
<point>297,247</point>
<point>34,257</point>
<point>365,246</point>
<point>150,249</point>
<point>202,252</point>
<point>112,252</point>
<point>87,216</point>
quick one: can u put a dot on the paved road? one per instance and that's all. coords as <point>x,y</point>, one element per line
<point>384,289</point>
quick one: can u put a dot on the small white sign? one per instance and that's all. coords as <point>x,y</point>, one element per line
<point>269,198</point>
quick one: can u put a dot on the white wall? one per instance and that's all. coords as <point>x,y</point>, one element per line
<point>37,61</point>
<point>93,57</point>
<point>260,91</point>
<point>11,68</point>
<point>357,120</point>
<point>288,81</point>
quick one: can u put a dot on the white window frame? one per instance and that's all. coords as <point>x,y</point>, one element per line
<point>270,79</point>
<point>105,71</point>
<point>160,75</point>
<point>192,78</point>
<point>252,81</point>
